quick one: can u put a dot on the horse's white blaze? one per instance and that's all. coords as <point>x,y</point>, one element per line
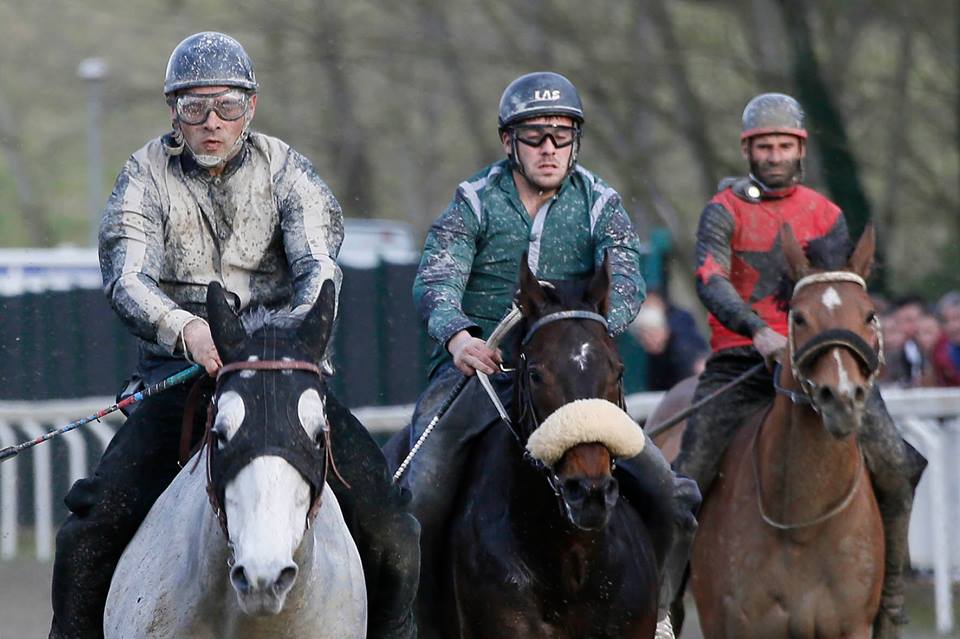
<point>580,359</point>
<point>230,414</point>
<point>844,385</point>
<point>831,299</point>
<point>266,505</point>
<point>311,412</point>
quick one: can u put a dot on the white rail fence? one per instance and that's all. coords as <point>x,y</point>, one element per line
<point>32,485</point>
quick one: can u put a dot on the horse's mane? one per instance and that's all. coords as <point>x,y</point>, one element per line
<point>822,258</point>
<point>256,318</point>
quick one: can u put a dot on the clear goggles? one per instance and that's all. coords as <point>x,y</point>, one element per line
<point>536,134</point>
<point>195,108</point>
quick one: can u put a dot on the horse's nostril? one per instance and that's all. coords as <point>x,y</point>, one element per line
<point>824,395</point>
<point>611,488</point>
<point>285,581</point>
<point>574,489</point>
<point>238,577</point>
<point>860,395</point>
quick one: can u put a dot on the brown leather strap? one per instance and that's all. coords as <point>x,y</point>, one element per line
<point>188,425</point>
<point>269,365</point>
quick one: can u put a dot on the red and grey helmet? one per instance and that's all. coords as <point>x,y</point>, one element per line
<point>536,94</point>
<point>209,59</point>
<point>773,113</point>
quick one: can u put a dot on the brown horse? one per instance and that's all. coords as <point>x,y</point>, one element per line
<point>790,542</point>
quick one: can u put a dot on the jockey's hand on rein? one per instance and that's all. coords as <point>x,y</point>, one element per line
<point>471,354</point>
<point>200,346</point>
<point>770,344</point>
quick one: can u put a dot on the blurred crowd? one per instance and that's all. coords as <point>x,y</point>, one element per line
<point>921,341</point>
<point>662,346</point>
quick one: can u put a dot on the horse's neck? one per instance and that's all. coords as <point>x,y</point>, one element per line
<point>803,469</point>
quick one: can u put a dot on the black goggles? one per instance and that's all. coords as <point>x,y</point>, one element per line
<point>535,134</point>
<point>195,108</point>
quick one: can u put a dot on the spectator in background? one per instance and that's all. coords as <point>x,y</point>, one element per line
<point>907,313</point>
<point>669,337</point>
<point>894,369</point>
<point>946,352</point>
<point>927,337</point>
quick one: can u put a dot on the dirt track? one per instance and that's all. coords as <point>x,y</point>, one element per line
<point>25,604</point>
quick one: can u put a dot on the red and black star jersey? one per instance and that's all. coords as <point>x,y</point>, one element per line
<point>740,261</point>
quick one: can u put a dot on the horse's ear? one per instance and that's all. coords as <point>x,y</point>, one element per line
<point>225,326</point>
<point>797,263</point>
<point>598,291</point>
<point>315,329</point>
<point>862,259</point>
<point>532,299</point>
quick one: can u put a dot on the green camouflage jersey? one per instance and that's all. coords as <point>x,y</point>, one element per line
<point>470,265</point>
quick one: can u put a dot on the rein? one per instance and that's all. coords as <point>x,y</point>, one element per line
<point>836,510</point>
<point>213,493</point>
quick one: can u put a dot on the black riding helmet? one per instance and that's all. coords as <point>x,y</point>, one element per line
<point>539,94</point>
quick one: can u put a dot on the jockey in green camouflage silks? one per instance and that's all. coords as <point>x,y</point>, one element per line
<point>468,272</point>
<point>537,201</point>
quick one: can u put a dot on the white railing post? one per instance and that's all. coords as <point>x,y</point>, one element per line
<point>930,441</point>
<point>8,495</point>
<point>42,493</point>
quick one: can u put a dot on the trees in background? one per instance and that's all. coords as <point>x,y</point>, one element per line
<point>396,102</point>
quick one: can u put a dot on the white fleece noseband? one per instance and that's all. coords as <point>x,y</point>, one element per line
<point>582,422</point>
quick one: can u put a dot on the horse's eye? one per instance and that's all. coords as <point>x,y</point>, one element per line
<point>219,437</point>
<point>872,318</point>
<point>535,376</point>
<point>799,319</point>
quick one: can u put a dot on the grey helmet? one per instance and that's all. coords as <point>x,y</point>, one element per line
<point>773,113</point>
<point>209,59</point>
<point>536,94</point>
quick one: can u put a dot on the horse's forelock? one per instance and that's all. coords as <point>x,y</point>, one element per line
<point>259,317</point>
<point>823,257</point>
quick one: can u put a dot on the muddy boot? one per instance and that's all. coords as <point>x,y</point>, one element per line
<point>895,507</point>
<point>668,503</point>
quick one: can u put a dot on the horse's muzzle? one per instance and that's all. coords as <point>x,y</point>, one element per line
<point>262,595</point>
<point>589,502</point>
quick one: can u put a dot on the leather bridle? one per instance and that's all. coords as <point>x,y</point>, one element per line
<point>871,359</point>
<point>302,453</point>
<point>526,410</point>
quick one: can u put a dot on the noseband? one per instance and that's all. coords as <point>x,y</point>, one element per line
<point>302,453</point>
<point>813,348</point>
<point>527,410</point>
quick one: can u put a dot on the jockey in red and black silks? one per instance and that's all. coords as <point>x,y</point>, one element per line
<point>739,269</point>
<point>739,259</point>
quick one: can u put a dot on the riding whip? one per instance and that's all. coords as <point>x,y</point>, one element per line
<point>505,325</point>
<point>159,387</point>
<point>690,410</point>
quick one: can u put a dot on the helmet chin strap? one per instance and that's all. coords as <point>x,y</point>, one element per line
<point>208,161</point>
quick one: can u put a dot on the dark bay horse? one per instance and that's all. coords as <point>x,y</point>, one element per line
<point>539,544</point>
<point>790,542</point>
